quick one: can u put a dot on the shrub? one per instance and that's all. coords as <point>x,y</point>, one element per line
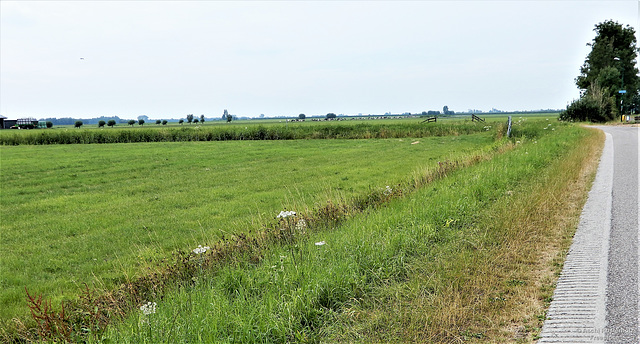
<point>594,106</point>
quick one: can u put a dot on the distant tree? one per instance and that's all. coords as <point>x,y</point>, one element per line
<point>261,115</point>
<point>101,123</point>
<point>331,115</point>
<point>141,121</point>
<point>302,116</point>
<point>158,121</point>
<point>181,121</point>
<point>227,116</point>
<point>201,118</point>
<point>446,111</point>
<point>131,122</point>
<point>78,124</point>
<point>612,64</point>
<point>143,117</point>
<point>111,122</point>
<point>49,124</point>
<point>195,120</point>
<point>164,122</point>
<point>190,118</point>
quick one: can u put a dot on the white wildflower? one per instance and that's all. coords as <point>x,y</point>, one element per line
<point>148,308</point>
<point>388,191</point>
<point>285,213</point>
<point>320,243</point>
<point>301,225</point>
<point>201,249</point>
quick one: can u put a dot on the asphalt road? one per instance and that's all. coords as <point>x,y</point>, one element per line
<point>597,296</point>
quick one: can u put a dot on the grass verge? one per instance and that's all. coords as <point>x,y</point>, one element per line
<point>468,257</point>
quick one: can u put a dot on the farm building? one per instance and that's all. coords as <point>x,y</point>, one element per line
<point>23,123</point>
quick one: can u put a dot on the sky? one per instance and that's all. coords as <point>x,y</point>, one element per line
<point>167,59</point>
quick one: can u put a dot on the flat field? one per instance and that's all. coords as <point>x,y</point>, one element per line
<point>470,257</point>
<point>101,213</point>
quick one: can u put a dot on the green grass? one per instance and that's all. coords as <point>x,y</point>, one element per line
<point>99,213</point>
<point>247,130</point>
<point>432,266</point>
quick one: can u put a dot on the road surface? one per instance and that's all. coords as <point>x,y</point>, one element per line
<point>597,296</point>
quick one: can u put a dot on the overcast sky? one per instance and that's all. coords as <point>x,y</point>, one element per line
<point>166,59</point>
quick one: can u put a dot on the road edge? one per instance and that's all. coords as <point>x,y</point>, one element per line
<point>577,312</point>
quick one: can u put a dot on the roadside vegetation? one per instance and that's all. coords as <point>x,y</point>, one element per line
<point>469,257</point>
<point>439,239</point>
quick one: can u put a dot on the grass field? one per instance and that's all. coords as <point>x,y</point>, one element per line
<point>470,257</point>
<point>81,213</point>
<point>467,258</point>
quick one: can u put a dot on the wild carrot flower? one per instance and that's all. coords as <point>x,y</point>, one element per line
<point>388,191</point>
<point>200,249</point>
<point>285,213</point>
<point>301,225</point>
<point>148,308</point>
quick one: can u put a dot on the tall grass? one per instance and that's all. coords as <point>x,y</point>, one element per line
<point>435,265</point>
<point>292,131</point>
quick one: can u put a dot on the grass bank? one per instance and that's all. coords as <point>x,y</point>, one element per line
<point>468,257</point>
<point>75,214</point>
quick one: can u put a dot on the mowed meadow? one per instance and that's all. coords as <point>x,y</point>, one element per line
<point>108,214</point>
<point>74,213</point>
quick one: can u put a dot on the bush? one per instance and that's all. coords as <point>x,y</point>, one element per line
<point>594,106</point>
<point>49,124</point>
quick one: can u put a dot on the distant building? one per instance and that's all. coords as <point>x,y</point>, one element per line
<point>23,123</point>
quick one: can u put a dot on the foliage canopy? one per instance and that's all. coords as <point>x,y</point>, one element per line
<point>612,64</point>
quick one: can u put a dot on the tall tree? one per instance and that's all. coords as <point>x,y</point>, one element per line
<point>611,64</point>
